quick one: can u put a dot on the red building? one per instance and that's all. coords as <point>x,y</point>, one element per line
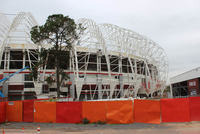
<point>186,84</point>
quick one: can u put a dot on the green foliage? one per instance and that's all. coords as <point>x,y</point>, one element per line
<point>85,121</point>
<point>60,32</point>
<point>100,122</point>
<point>52,100</point>
<point>50,80</point>
<point>167,89</point>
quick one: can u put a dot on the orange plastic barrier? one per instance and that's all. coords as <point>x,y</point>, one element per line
<point>2,112</point>
<point>194,108</point>
<point>45,112</point>
<point>14,111</point>
<point>175,110</point>
<point>147,111</point>
<point>119,112</point>
<point>28,108</point>
<point>68,112</point>
<point>94,111</point>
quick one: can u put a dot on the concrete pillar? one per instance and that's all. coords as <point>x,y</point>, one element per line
<point>99,82</point>
<point>171,91</point>
<point>121,85</point>
<point>7,58</point>
<point>23,94</point>
<point>120,77</point>
<point>72,89</point>
<point>146,75</point>
<point>99,76</point>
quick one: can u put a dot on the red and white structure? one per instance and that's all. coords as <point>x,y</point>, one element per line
<point>187,83</point>
<point>108,62</point>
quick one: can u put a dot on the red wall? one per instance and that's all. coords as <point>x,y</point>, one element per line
<point>28,110</point>
<point>193,85</point>
<point>175,110</point>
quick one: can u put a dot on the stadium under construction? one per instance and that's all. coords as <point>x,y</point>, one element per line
<point>108,62</point>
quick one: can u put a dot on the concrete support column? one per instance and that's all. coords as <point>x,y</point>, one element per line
<point>23,94</point>
<point>72,75</point>
<point>99,76</point>
<point>121,85</point>
<point>99,82</point>
<point>24,58</point>
<point>135,64</point>
<point>72,89</point>
<point>7,58</point>
<point>135,78</point>
<point>171,91</point>
<point>70,60</point>
<point>121,77</point>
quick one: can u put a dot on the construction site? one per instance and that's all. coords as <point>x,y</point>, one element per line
<point>116,76</point>
<point>109,62</point>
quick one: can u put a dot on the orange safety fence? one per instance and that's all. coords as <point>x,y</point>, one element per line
<point>2,112</point>
<point>119,112</point>
<point>45,112</point>
<point>194,108</point>
<point>147,111</point>
<point>4,99</point>
<point>111,112</point>
<point>14,111</point>
<point>28,110</point>
<point>68,112</point>
<point>94,111</point>
<point>175,110</point>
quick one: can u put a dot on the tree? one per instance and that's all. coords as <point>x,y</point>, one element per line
<point>60,32</point>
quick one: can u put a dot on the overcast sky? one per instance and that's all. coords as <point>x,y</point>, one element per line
<point>173,24</point>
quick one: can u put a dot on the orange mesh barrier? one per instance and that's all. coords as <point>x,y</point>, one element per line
<point>147,111</point>
<point>175,110</point>
<point>119,112</point>
<point>94,111</point>
<point>68,112</point>
<point>14,111</point>
<point>2,112</point>
<point>28,108</point>
<point>194,108</point>
<point>45,112</point>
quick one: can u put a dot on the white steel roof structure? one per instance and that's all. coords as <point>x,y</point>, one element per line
<point>124,42</point>
<point>109,39</point>
<point>16,32</point>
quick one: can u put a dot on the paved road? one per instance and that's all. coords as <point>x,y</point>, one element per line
<point>136,128</point>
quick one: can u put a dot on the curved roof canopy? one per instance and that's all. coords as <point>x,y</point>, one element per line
<point>105,37</point>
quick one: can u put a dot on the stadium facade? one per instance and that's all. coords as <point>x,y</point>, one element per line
<point>108,62</point>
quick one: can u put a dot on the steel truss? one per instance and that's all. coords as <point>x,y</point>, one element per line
<point>107,62</point>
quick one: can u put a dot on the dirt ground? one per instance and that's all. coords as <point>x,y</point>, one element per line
<point>136,128</point>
